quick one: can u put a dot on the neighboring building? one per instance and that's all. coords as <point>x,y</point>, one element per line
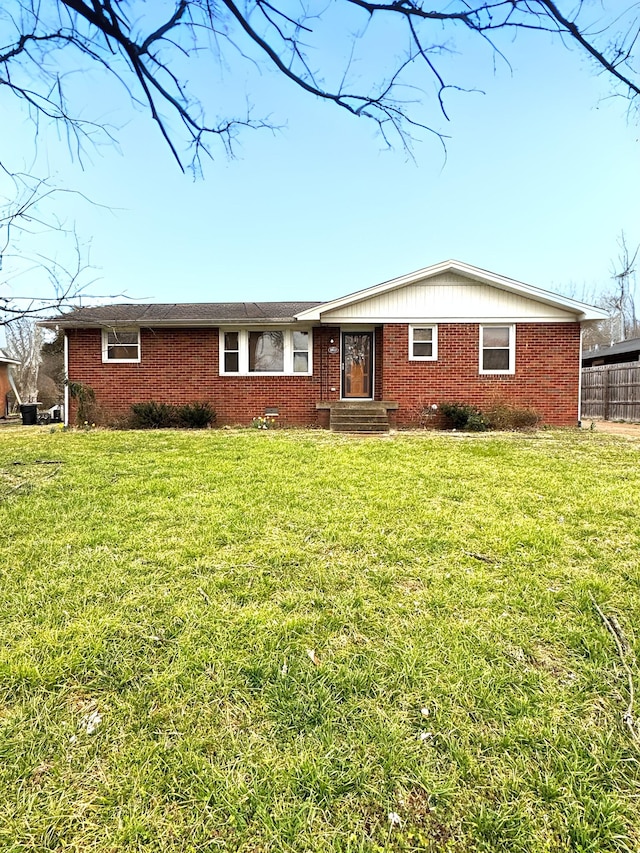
<point>620,353</point>
<point>450,332</point>
<point>6,382</point>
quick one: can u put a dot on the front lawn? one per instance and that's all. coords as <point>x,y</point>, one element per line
<point>297,641</point>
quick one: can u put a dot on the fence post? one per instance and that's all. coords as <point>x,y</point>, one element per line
<point>605,393</point>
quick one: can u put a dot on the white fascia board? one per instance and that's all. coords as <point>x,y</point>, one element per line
<point>435,318</point>
<point>582,311</point>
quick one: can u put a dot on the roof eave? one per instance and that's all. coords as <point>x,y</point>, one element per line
<point>593,315</point>
<point>155,324</point>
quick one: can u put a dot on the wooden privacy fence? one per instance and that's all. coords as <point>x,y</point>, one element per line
<point>612,392</point>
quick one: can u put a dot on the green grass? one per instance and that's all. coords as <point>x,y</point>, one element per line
<point>174,583</point>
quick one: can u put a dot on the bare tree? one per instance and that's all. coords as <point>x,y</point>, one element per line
<point>624,275</point>
<point>620,301</point>
<point>24,342</point>
<point>156,52</point>
<point>28,221</point>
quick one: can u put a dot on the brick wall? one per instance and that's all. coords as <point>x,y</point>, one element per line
<point>5,387</point>
<point>546,377</point>
<point>181,365</point>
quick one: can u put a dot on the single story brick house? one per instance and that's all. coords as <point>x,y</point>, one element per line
<point>447,333</point>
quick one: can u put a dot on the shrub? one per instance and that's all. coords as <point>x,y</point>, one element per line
<point>476,423</point>
<point>153,415</point>
<point>85,397</point>
<point>196,415</point>
<point>463,416</point>
<point>504,416</point>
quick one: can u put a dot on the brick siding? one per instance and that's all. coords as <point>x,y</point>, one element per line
<point>5,387</point>
<point>181,365</point>
<point>546,376</point>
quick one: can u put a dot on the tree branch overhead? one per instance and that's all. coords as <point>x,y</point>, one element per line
<point>156,52</point>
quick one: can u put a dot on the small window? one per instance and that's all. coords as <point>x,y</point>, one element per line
<point>231,352</point>
<point>301,352</point>
<point>423,343</point>
<point>121,344</point>
<point>497,349</point>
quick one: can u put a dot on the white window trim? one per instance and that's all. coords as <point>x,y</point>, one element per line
<point>105,346</point>
<point>434,342</point>
<point>512,349</point>
<point>243,352</point>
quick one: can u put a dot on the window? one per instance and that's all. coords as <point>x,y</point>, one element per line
<point>231,355</point>
<point>267,351</point>
<point>423,343</point>
<point>497,349</point>
<point>120,344</point>
<point>300,352</point>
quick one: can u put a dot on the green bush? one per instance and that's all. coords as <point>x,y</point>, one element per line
<point>153,415</point>
<point>196,415</point>
<point>476,423</point>
<point>462,416</point>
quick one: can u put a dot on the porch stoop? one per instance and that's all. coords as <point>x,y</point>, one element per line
<point>363,416</point>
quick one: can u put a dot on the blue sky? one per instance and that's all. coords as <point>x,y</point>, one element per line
<point>540,177</point>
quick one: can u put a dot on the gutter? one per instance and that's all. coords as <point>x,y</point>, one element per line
<point>66,376</point>
<point>257,322</point>
<point>580,381</point>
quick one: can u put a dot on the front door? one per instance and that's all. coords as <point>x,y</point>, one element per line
<point>357,365</point>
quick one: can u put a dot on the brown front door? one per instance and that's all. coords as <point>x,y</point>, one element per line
<point>357,365</point>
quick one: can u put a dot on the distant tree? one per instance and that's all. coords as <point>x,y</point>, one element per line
<point>619,301</point>
<point>51,371</point>
<point>24,342</point>
<point>384,60</point>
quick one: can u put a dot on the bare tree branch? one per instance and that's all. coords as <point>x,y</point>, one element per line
<point>29,219</point>
<point>155,51</point>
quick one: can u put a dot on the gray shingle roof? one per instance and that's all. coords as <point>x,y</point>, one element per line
<point>630,345</point>
<point>185,313</point>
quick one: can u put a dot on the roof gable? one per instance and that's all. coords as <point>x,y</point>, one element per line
<point>448,291</point>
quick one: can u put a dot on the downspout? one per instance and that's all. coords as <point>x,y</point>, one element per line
<point>66,384</point>
<point>580,382</point>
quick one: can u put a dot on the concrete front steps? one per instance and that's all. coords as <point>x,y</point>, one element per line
<point>361,416</point>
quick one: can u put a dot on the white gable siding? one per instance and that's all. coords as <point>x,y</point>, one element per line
<point>451,297</point>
